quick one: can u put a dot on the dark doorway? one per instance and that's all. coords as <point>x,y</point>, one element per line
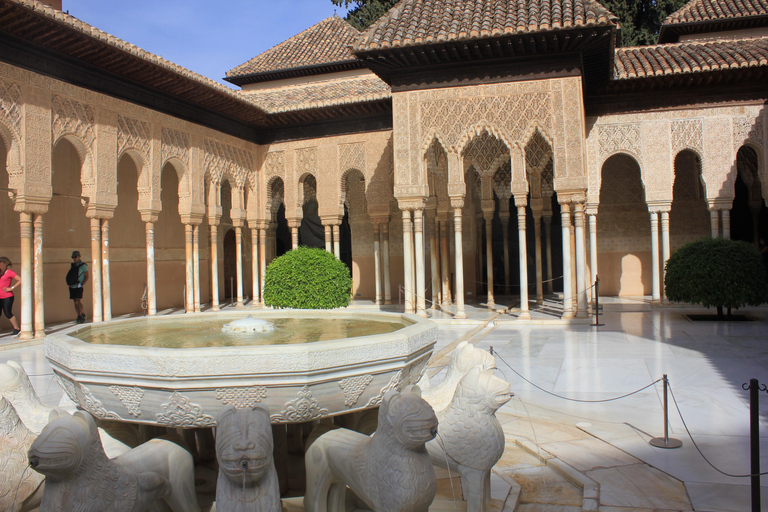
<point>230,264</point>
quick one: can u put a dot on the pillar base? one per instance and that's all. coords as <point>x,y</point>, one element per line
<point>524,315</point>
<point>582,314</point>
<point>215,308</point>
<point>461,315</point>
<point>422,313</point>
<point>568,315</point>
<point>26,335</point>
<point>40,334</point>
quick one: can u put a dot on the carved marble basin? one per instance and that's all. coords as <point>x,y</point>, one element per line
<point>187,386</point>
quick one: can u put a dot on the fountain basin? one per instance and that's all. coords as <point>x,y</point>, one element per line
<point>187,387</point>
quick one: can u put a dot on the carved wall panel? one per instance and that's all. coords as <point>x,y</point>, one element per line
<point>72,117</point>
<point>352,156</point>
<point>687,134</point>
<point>225,161</point>
<point>134,134</point>
<point>10,106</point>
<point>175,144</point>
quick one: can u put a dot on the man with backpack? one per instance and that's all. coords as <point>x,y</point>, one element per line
<point>76,279</point>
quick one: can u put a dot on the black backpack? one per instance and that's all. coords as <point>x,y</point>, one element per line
<point>73,276</point>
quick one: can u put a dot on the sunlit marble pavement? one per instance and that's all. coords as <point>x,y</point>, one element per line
<point>605,443</point>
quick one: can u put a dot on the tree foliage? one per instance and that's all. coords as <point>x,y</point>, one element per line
<point>307,278</point>
<point>640,20</point>
<point>716,272</point>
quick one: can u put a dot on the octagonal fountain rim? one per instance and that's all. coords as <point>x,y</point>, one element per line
<point>416,337</point>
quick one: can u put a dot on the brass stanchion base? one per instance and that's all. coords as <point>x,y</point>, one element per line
<point>660,442</point>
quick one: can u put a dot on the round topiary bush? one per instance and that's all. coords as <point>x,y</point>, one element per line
<point>716,272</point>
<point>307,278</point>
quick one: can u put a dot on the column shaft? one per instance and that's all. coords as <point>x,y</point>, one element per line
<point>239,252</point>
<point>548,238</point>
<point>189,290</point>
<point>459,253</point>
<point>255,284</point>
<point>656,295</point>
<point>434,262</point>
<point>27,284</point>
<point>445,266</point>
<point>565,216</point>
<point>537,249</point>
<point>294,237</point>
<point>593,245</point>
<point>98,306</point>
<point>328,238</point>
<point>38,284</point>
<point>665,249</point>
<point>385,251</point>
<point>714,222</point>
<point>523,256</point>
<point>377,262</point>
<point>262,259</point>
<point>581,262</point>
<point>214,239</point>
<point>151,289</point>
<point>489,258</point>
<point>408,277</point>
<point>337,240</point>
<point>726,217</point>
<point>106,285</point>
<point>196,265</point>
<point>421,287</point>
<point>505,248</point>
<point>573,262</point>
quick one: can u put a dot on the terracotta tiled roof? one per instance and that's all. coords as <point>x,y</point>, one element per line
<point>342,91</point>
<point>685,58</point>
<point>418,22</point>
<point>325,43</point>
<point>697,11</point>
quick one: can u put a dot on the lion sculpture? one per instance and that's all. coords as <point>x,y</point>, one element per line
<point>79,476</point>
<point>247,477</point>
<point>390,471</point>
<point>471,439</point>
<point>464,357</point>
<point>20,487</point>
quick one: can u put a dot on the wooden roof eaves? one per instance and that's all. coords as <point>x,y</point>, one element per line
<point>299,71</point>
<point>670,33</point>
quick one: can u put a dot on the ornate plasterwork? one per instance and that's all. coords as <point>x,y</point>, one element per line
<point>303,408</point>
<point>226,161</point>
<point>134,134</point>
<point>486,153</point>
<point>352,156</point>
<point>180,412</point>
<point>537,152</point>
<point>175,144</point>
<point>687,134</point>
<point>241,398</point>
<point>73,117</point>
<point>306,161</point>
<point>10,105</point>
<point>130,397</point>
<point>616,138</point>
<point>274,164</point>
<point>747,129</point>
<point>353,387</point>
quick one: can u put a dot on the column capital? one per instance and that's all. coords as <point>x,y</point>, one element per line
<point>27,204</point>
<point>411,203</point>
<point>488,206</point>
<point>659,206</point>
<point>330,220</point>
<point>720,204</point>
<point>99,211</point>
<point>149,215</point>
<point>194,219</point>
<point>572,196</point>
<point>457,203</point>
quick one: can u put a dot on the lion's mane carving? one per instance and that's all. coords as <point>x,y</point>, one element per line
<point>80,477</point>
<point>390,471</point>
<point>247,477</point>
<point>470,434</point>
<point>464,357</point>
<point>19,487</point>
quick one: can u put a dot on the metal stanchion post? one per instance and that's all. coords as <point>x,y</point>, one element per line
<point>597,301</point>
<point>666,441</point>
<point>754,439</point>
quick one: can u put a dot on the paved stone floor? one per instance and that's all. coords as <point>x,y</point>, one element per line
<point>564,455</point>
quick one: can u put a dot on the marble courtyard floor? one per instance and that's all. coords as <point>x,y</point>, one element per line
<point>564,455</point>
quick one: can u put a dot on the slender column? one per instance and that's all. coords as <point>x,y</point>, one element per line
<point>523,256</point>
<point>98,306</point>
<point>196,264</point>
<point>537,247</point>
<point>505,240</point>
<point>655,256</point>
<point>565,216</point>
<point>151,289</point>
<point>294,237</point>
<point>256,295</point>
<point>593,244</point>
<point>581,262</point>
<point>262,259</point>
<point>106,285</point>
<point>239,252</point>
<point>189,301</point>
<point>489,256</point>
<point>573,262</point>
<point>459,253</point>
<point>27,284</point>
<point>385,251</point>
<point>408,261</point>
<point>714,221</point>
<point>337,241</point>
<point>665,250</point>
<point>548,238</point>
<point>421,286</point>
<point>445,267</point>
<point>377,261</point>
<point>726,217</point>
<point>434,261</point>
<point>328,238</point>
<point>215,267</point>
<point>38,284</point>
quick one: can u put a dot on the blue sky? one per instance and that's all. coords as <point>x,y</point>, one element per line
<point>206,37</point>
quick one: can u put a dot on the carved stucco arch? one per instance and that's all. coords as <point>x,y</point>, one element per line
<point>143,176</point>
<point>432,135</point>
<point>762,172</point>
<point>185,183</point>
<point>470,134</point>
<point>12,144</point>
<point>639,165</point>
<point>271,206</point>
<point>87,175</point>
<point>700,156</point>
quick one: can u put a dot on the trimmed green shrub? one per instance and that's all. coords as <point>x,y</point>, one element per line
<point>307,278</point>
<point>716,272</point>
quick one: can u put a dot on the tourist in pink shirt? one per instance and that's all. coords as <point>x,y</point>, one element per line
<point>8,281</point>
